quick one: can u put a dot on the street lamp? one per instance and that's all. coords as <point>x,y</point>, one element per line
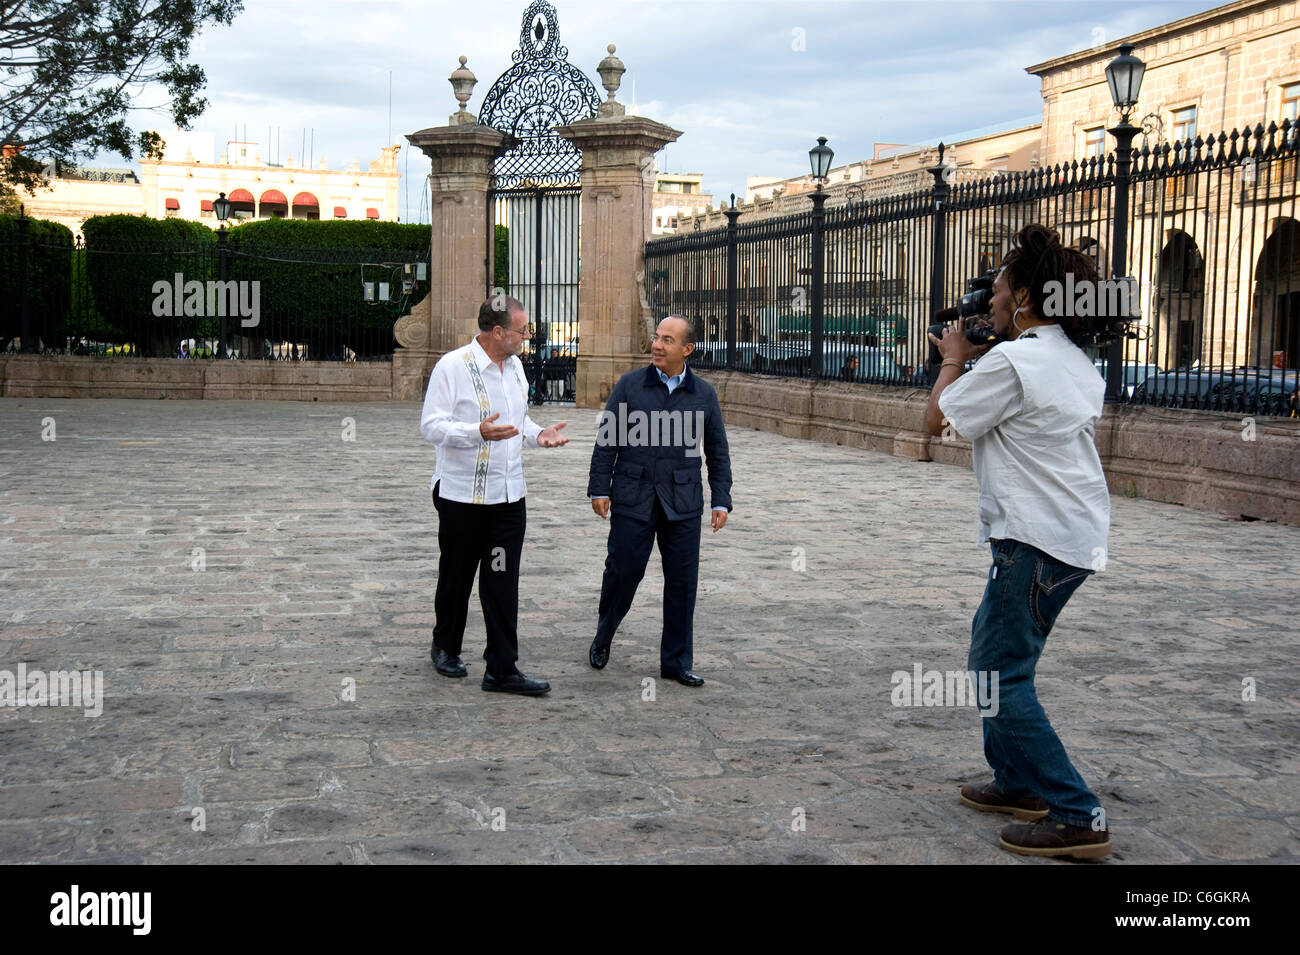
<point>221,206</point>
<point>1124,76</point>
<point>819,157</point>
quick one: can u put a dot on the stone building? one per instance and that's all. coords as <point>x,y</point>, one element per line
<point>676,195</point>
<point>892,170</point>
<point>1218,266</point>
<point>185,181</point>
<point>1234,67</point>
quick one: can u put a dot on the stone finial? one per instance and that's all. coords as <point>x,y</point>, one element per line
<point>462,85</point>
<point>611,70</point>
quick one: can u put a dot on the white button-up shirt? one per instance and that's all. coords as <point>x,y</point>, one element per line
<point>1030,408</point>
<point>467,386</point>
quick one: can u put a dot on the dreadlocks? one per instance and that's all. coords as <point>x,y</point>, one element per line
<point>1037,257</point>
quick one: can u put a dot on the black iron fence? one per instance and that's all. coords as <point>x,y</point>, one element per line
<point>1210,234</point>
<point>204,299</point>
<point>535,254</point>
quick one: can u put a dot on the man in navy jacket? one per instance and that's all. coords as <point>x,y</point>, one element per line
<point>647,464</point>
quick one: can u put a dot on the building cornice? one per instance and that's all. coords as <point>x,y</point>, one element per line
<point>1146,38</point>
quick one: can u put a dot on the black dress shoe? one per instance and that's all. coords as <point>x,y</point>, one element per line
<point>684,677</point>
<point>448,665</point>
<point>515,683</point>
<point>598,654</point>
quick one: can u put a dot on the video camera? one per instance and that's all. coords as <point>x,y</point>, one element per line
<point>975,303</point>
<point>1109,308</point>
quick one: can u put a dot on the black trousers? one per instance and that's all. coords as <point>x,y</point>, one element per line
<point>630,541</point>
<point>487,539</point>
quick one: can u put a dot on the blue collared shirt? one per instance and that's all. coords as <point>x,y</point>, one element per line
<point>674,382</point>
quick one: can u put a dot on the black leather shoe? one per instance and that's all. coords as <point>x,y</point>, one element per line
<point>684,677</point>
<point>515,683</point>
<point>598,654</point>
<point>448,665</point>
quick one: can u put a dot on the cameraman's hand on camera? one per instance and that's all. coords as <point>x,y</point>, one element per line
<point>955,345</point>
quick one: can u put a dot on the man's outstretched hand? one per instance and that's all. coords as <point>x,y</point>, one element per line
<point>551,437</point>
<point>496,432</point>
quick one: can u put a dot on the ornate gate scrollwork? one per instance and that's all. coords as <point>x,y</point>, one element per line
<point>533,243</point>
<point>541,91</point>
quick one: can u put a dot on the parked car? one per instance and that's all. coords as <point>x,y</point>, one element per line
<point>1134,374</point>
<point>1269,391</point>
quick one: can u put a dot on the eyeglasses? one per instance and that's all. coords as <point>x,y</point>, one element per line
<point>526,330</point>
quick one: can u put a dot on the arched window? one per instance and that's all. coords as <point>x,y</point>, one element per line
<point>305,206</point>
<point>273,204</point>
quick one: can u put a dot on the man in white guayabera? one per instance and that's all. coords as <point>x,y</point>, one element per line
<point>476,412</point>
<point>1029,408</point>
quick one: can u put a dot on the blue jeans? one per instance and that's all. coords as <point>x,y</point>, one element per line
<point>1026,591</point>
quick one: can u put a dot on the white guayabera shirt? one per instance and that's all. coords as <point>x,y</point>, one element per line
<point>467,386</point>
<point>1030,408</point>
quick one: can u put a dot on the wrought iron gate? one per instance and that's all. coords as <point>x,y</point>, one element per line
<point>533,243</point>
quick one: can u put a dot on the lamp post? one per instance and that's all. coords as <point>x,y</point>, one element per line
<point>1124,76</point>
<point>221,206</point>
<point>819,157</point>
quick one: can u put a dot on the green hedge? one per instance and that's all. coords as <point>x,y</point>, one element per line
<point>126,256</point>
<point>49,279</point>
<point>312,276</point>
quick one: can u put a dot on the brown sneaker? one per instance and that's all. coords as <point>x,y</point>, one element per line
<point>988,798</point>
<point>1047,837</point>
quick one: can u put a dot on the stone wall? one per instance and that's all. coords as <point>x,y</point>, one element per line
<point>71,376</point>
<point>1207,460</point>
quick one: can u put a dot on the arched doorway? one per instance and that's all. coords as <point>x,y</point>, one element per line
<point>1179,300</point>
<point>1275,316</point>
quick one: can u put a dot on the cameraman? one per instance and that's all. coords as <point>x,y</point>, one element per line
<point>1029,408</point>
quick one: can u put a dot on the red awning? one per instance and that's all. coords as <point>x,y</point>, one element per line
<point>340,212</point>
<point>205,205</point>
<point>372,213</point>
<point>305,199</point>
<point>172,203</point>
<point>240,195</point>
<point>274,196</point>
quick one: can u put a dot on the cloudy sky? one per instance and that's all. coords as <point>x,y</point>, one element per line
<point>751,83</point>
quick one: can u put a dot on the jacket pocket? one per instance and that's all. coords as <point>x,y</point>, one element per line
<point>688,491</point>
<point>627,486</point>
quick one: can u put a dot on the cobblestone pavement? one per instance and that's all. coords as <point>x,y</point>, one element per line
<point>258,592</point>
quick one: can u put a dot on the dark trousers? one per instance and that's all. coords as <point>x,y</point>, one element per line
<point>488,539</point>
<point>1026,591</point>
<point>630,541</point>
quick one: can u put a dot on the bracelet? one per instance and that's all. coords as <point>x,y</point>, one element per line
<point>953,362</point>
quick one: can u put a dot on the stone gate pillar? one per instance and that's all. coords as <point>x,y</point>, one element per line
<point>462,153</point>
<point>617,182</point>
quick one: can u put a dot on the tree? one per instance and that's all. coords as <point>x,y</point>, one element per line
<point>70,68</point>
